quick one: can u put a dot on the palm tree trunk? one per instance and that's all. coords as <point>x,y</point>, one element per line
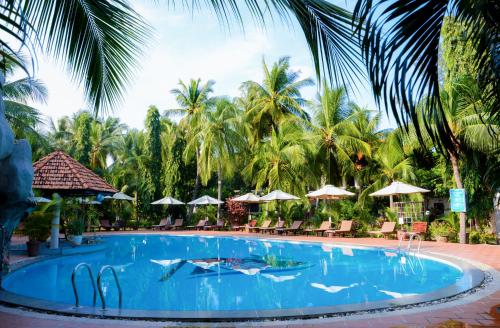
<point>196,182</point>
<point>219,188</point>
<point>458,183</point>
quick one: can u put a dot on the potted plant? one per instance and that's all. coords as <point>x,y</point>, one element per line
<point>37,228</point>
<point>75,229</point>
<point>440,231</point>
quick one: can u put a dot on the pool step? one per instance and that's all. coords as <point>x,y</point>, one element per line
<point>99,284</point>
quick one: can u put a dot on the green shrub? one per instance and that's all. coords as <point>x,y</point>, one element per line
<point>37,226</point>
<point>482,236</point>
<point>75,226</point>
<point>440,228</point>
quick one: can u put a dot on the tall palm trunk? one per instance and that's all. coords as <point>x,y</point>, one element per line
<point>219,188</point>
<point>458,183</point>
<point>196,182</point>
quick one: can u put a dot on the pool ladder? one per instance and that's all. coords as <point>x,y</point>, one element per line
<point>99,284</point>
<point>409,249</point>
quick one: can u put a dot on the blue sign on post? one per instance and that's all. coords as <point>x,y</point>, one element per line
<point>457,200</point>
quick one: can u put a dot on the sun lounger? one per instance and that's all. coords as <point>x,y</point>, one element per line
<point>278,225</point>
<point>219,225</point>
<point>104,224</point>
<point>199,225</point>
<point>345,228</point>
<point>264,225</point>
<point>119,224</point>
<point>162,225</point>
<point>386,230</point>
<point>177,224</point>
<point>248,226</point>
<point>325,225</point>
<point>296,227</point>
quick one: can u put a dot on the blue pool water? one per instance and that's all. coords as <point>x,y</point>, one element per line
<point>192,273</point>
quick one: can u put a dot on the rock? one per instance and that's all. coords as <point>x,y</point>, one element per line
<point>6,134</point>
<point>16,174</point>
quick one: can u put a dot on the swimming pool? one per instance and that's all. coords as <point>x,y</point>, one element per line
<point>186,276</point>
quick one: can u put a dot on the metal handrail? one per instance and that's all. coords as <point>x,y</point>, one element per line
<point>73,282</point>
<point>99,286</point>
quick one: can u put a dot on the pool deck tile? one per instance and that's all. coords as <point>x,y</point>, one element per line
<point>478,313</point>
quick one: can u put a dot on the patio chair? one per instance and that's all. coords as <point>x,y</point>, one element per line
<point>418,228</point>
<point>200,225</point>
<point>388,228</point>
<point>278,225</point>
<point>248,226</point>
<point>296,227</point>
<point>163,225</point>
<point>264,225</point>
<point>177,224</point>
<point>345,228</point>
<point>325,225</point>
<point>119,224</point>
<point>104,224</point>
<point>219,225</point>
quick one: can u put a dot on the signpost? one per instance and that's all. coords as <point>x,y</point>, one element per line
<point>458,201</point>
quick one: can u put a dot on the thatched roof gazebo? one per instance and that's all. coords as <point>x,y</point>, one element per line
<point>58,173</point>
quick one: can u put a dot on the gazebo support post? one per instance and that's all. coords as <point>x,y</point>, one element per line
<point>54,230</point>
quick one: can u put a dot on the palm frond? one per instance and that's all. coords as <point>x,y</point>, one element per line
<point>98,40</point>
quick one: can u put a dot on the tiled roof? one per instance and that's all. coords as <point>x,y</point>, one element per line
<point>58,172</point>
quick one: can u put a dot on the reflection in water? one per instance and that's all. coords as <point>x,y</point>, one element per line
<point>280,278</point>
<point>331,289</point>
<point>396,294</point>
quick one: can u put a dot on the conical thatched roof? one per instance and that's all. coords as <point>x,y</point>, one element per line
<point>58,172</point>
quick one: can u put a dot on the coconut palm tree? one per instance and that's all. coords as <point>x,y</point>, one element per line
<point>337,136</point>
<point>282,161</point>
<point>366,122</point>
<point>105,137</point>
<point>277,97</point>
<point>471,127</point>
<point>193,99</point>
<point>390,164</point>
<point>400,42</point>
<point>219,142</point>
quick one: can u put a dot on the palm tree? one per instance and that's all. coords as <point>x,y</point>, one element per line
<point>366,123</point>
<point>105,137</point>
<point>470,127</point>
<point>400,48</point>
<point>282,161</point>
<point>390,164</point>
<point>277,97</point>
<point>338,138</point>
<point>193,99</point>
<point>219,141</point>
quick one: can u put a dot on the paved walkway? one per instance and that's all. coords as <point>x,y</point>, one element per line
<point>476,310</point>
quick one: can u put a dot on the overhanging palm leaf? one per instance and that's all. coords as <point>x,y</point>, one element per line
<point>400,48</point>
<point>99,40</point>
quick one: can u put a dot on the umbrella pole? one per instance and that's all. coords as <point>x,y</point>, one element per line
<point>391,201</point>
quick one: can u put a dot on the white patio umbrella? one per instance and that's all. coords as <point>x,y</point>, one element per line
<point>278,195</point>
<point>398,188</point>
<point>120,196</point>
<point>248,198</point>
<point>205,200</point>
<point>330,192</point>
<point>167,201</point>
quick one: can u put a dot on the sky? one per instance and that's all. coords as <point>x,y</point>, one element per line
<point>189,45</point>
